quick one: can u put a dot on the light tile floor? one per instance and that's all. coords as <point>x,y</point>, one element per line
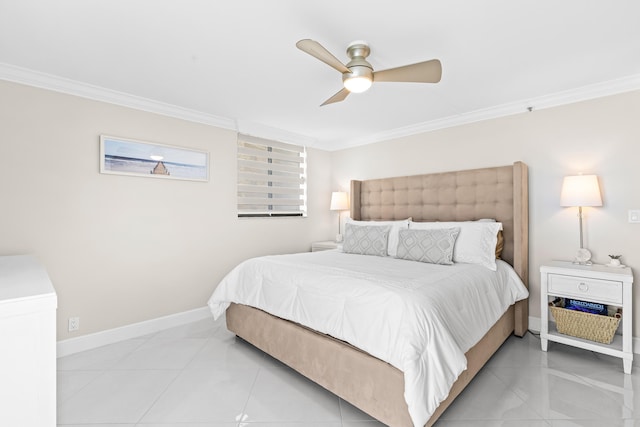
<point>201,375</point>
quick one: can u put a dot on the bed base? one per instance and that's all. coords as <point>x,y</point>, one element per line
<point>368,383</point>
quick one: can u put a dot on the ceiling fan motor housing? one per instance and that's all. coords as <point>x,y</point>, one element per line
<point>358,48</point>
<point>359,67</point>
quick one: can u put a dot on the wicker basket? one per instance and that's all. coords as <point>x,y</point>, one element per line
<point>593,327</point>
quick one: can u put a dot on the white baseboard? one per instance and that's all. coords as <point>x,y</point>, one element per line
<point>110,336</point>
<point>534,326</point>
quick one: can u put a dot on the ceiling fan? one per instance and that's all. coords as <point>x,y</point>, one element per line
<point>358,74</point>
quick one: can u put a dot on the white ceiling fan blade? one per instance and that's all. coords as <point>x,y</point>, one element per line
<point>422,72</point>
<point>340,96</point>
<point>318,51</point>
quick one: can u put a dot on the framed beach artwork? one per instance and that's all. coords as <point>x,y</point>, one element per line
<point>137,158</point>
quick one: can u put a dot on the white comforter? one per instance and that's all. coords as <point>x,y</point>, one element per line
<point>421,318</point>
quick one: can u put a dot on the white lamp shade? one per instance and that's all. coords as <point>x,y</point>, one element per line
<point>580,190</point>
<point>339,201</point>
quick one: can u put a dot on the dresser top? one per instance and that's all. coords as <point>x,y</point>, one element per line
<point>23,277</point>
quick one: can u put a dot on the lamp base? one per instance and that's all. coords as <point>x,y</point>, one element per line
<point>583,257</point>
<point>338,238</point>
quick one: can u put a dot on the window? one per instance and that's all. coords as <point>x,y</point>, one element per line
<point>271,178</point>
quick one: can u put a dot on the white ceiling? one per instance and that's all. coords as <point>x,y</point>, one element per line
<point>234,63</point>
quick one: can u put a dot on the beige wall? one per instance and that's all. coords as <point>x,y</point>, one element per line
<point>125,249</point>
<point>600,136</point>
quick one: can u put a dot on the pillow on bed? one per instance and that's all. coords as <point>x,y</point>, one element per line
<point>365,239</point>
<point>476,243</point>
<point>431,246</point>
<point>499,244</point>
<point>396,226</point>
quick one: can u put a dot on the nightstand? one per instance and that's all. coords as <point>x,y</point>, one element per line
<point>325,245</point>
<point>595,283</point>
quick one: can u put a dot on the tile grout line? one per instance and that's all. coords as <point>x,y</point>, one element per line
<point>170,383</point>
<point>102,371</point>
<point>246,403</point>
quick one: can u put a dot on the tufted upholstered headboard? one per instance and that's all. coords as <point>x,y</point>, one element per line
<point>500,193</point>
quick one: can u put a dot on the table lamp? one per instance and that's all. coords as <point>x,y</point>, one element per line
<point>339,202</point>
<point>579,191</point>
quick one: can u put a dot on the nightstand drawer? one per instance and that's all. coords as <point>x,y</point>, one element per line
<point>608,291</point>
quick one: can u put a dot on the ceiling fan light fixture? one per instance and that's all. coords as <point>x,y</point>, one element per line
<point>357,84</point>
<point>358,80</point>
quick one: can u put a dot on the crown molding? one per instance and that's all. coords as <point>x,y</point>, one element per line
<point>84,90</point>
<point>97,93</point>
<point>267,132</point>
<point>60,84</point>
<point>584,93</point>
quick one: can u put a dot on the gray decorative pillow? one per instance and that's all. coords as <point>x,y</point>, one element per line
<point>366,239</point>
<point>432,246</point>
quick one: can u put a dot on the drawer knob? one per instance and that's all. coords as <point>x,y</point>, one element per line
<point>583,287</point>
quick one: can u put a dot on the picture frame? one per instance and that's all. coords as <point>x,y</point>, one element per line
<point>122,156</point>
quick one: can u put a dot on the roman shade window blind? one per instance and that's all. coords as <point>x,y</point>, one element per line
<point>271,178</point>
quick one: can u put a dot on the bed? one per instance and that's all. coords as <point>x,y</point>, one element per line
<point>369,383</point>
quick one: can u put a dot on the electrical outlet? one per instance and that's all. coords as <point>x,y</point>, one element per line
<point>74,324</point>
<point>634,216</point>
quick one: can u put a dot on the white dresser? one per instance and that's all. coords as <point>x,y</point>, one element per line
<point>28,305</point>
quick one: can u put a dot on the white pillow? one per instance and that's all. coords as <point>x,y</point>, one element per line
<point>396,226</point>
<point>476,243</point>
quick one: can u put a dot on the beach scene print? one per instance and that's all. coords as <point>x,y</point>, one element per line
<point>127,157</point>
